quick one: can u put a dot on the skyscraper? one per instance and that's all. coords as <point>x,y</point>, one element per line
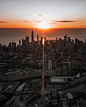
<point>41,40</point>
<point>49,64</point>
<point>38,39</point>
<point>27,43</point>
<point>32,36</point>
<point>44,38</point>
<point>19,42</point>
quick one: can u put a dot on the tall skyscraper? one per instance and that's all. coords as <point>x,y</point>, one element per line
<point>27,39</point>
<point>19,42</point>
<point>38,39</point>
<point>69,40</point>
<point>44,38</point>
<point>65,37</point>
<point>41,40</point>
<point>13,46</point>
<point>49,64</point>
<point>27,43</point>
<point>32,36</point>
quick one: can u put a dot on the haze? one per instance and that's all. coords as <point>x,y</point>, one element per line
<point>43,13</point>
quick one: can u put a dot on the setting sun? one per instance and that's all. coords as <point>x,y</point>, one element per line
<point>43,25</point>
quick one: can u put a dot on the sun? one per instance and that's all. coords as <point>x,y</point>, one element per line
<point>43,25</point>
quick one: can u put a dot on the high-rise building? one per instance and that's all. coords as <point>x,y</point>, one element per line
<point>64,68</point>
<point>44,38</point>
<point>13,46</point>
<point>41,40</point>
<point>49,64</point>
<point>69,40</point>
<point>19,42</point>
<point>27,39</point>
<point>38,39</point>
<point>56,38</point>
<point>65,37</point>
<point>32,36</point>
<point>79,53</point>
<point>27,43</point>
<point>9,45</point>
<point>85,41</point>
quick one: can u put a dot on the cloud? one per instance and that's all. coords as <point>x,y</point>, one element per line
<point>39,21</point>
<point>39,15</point>
<point>52,23</point>
<point>4,22</point>
<point>12,14</point>
<point>25,21</point>
<point>64,21</point>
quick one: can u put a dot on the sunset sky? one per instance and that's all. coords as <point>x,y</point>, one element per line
<point>43,13</point>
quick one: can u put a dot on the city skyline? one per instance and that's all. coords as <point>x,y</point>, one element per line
<point>42,14</point>
<point>43,73</point>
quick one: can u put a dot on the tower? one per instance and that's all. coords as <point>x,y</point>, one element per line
<point>49,64</point>
<point>32,36</point>
<point>38,40</point>
<point>41,40</point>
<point>19,42</point>
<point>27,43</point>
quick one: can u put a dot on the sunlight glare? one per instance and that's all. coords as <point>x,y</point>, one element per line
<point>43,40</point>
<point>43,25</point>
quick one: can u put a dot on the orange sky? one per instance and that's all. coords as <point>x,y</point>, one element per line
<point>43,14</point>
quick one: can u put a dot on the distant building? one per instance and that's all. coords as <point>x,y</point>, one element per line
<point>64,68</point>
<point>41,40</point>
<point>32,36</point>
<point>38,40</point>
<point>13,46</point>
<point>44,38</point>
<point>19,42</point>
<point>49,64</point>
<point>65,37</point>
<point>79,53</point>
<point>69,40</point>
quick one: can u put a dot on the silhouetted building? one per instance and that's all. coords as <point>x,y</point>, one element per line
<point>85,41</point>
<point>69,40</point>
<point>19,42</point>
<point>44,38</point>
<point>41,40</point>
<point>9,45</point>
<point>49,64</point>
<point>13,46</point>
<point>65,37</point>
<point>32,36</point>
<point>27,43</point>
<point>38,39</point>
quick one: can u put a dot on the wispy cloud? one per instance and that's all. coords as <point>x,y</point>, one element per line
<point>13,14</point>
<point>64,21</point>
<point>4,22</point>
<point>25,21</point>
<point>39,15</point>
<point>52,23</point>
<point>39,21</point>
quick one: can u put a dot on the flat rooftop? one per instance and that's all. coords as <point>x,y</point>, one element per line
<point>58,79</point>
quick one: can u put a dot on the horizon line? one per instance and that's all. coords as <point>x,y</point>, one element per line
<point>43,28</point>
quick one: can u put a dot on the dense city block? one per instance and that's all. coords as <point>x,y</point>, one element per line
<point>62,62</point>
